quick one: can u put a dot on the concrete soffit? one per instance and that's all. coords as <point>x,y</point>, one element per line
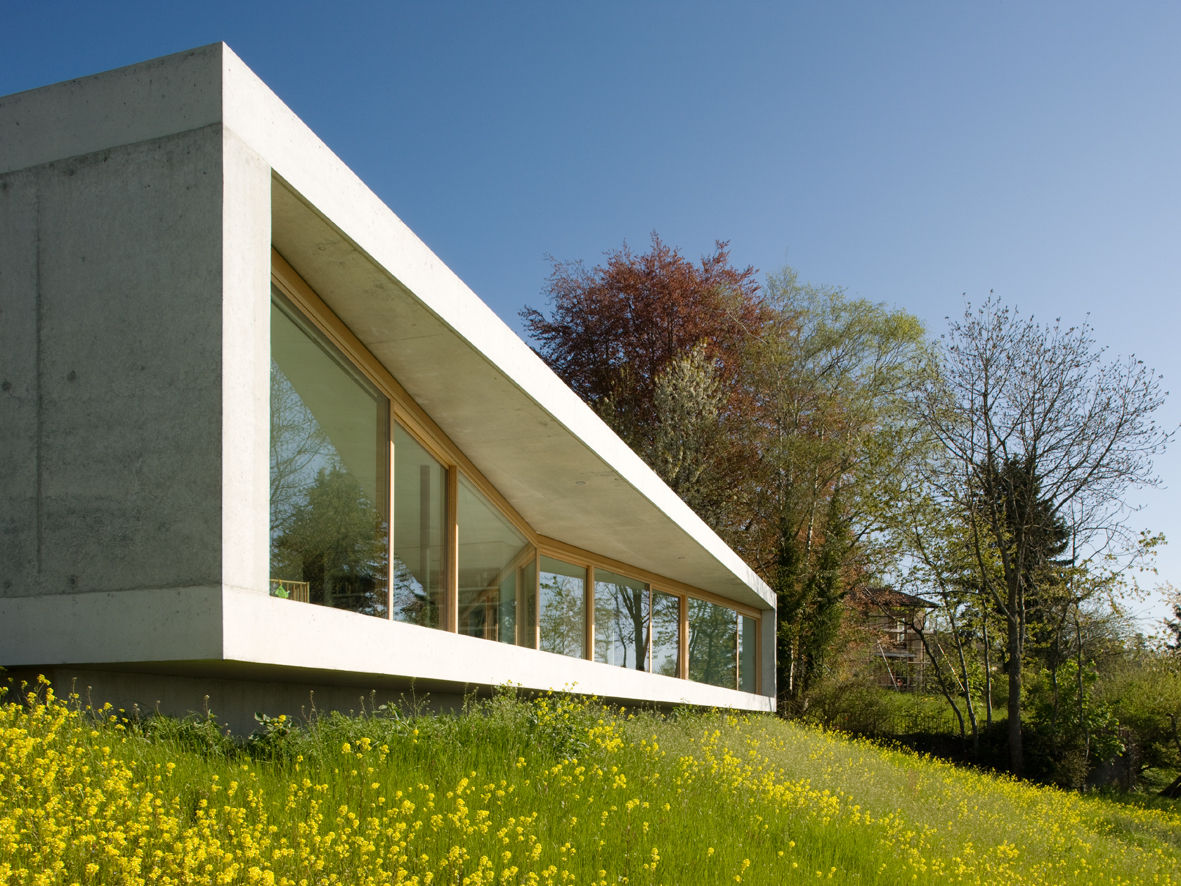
<point>581,485</point>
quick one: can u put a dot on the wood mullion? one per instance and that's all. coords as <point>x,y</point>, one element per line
<point>451,621</point>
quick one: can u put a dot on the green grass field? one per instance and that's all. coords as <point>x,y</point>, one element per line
<point>552,790</point>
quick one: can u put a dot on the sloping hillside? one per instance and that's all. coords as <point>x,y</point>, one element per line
<point>546,791</point>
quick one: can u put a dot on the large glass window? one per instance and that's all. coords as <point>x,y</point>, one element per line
<point>329,486</point>
<point>748,631</point>
<point>666,633</point>
<point>562,607</point>
<point>492,557</point>
<point>713,632</point>
<point>420,539</point>
<point>621,620</point>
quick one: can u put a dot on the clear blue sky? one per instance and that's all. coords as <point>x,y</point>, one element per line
<point>909,152</point>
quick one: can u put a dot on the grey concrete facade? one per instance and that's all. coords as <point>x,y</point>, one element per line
<point>138,211</point>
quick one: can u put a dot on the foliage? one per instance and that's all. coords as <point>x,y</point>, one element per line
<point>1144,692</point>
<point>689,445</point>
<point>832,379</point>
<point>1173,625</point>
<point>659,347</point>
<point>545,791</point>
<point>614,328</point>
<point>202,733</point>
<point>1069,730</point>
<point>809,603</point>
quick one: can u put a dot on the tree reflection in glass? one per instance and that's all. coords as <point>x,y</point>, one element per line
<point>495,571</point>
<point>621,620</point>
<point>713,638</point>
<point>666,633</point>
<point>562,610</point>
<point>328,499</point>
<point>748,629</point>
<point>420,514</point>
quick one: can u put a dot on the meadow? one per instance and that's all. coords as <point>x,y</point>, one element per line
<point>532,791</point>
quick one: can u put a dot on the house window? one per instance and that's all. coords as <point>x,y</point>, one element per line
<point>329,499</point>
<point>622,620</point>
<point>666,634</point>
<point>748,641</point>
<point>420,538</point>
<point>374,510</point>
<point>495,562</point>
<point>562,607</point>
<point>712,643</point>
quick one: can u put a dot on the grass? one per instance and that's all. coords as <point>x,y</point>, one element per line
<point>552,790</point>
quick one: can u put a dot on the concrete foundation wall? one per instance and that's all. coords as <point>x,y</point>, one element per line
<point>18,384</point>
<point>232,701</point>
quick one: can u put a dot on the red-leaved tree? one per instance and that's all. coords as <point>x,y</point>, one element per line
<point>616,327</point>
<point>659,346</point>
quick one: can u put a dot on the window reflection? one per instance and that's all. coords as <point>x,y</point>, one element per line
<point>328,485</point>
<point>495,569</point>
<point>562,607</point>
<point>666,633</point>
<point>712,643</point>
<point>420,514</point>
<point>621,620</point>
<point>748,629</point>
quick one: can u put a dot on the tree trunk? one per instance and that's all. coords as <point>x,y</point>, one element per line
<point>987,671</point>
<point>1016,757</point>
<point>967,688</point>
<point>944,688</point>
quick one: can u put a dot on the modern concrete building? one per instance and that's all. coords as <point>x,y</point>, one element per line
<point>233,386</point>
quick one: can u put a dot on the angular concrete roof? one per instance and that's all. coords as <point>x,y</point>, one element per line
<point>551,457</point>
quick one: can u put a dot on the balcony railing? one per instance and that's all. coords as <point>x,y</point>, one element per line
<point>292,590</point>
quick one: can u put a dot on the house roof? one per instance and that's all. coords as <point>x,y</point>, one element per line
<point>881,597</point>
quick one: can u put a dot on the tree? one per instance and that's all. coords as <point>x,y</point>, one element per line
<point>614,328</point>
<point>691,445</point>
<point>1037,424</point>
<point>1144,690</point>
<point>659,346</point>
<point>832,379</point>
<point>930,528</point>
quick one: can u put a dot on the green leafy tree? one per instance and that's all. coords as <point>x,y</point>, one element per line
<point>1173,625</point>
<point>1143,690</point>
<point>838,442</point>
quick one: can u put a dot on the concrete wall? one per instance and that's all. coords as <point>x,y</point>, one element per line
<point>116,392</point>
<point>134,336</point>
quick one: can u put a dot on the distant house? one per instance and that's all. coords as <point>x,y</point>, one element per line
<point>889,622</point>
<point>257,439</point>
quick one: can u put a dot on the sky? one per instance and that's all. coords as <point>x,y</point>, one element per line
<point>918,154</point>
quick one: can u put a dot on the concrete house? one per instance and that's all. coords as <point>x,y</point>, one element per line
<point>256,439</point>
